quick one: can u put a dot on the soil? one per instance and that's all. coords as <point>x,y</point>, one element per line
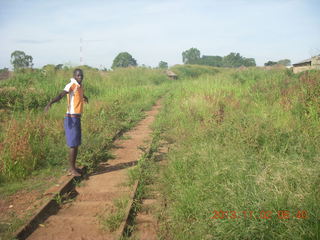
<point>81,218</point>
<point>16,208</point>
<point>17,204</point>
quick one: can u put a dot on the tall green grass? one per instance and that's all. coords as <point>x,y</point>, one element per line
<point>31,140</point>
<point>243,140</point>
<point>192,71</point>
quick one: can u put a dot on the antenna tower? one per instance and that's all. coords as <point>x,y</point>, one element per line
<point>81,53</point>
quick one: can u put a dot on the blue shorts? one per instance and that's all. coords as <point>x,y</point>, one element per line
<point>72,127</point>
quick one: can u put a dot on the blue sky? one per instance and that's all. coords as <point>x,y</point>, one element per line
<point>152,31</point>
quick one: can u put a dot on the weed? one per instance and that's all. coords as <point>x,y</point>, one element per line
<point>58,199</point>
<point>78,182</point>
<point>111,220</point>
<point>125,137</point>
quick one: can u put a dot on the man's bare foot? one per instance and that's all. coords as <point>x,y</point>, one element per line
<point>74,172</point>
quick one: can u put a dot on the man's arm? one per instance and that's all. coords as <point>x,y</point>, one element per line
<point>86,99</point>
<point>56,99</point>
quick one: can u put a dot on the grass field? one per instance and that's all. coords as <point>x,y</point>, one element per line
<point>244,156</point>
<point>244,161</point>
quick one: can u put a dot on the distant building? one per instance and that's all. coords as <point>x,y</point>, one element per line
<point>308,64</point>
<point>171,74</point>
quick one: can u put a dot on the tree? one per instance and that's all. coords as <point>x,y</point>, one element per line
<point>236,60</point>
<point>249,62</point>
<point>284,62</point>
<point>191,56</point>
<point>214,61</point>
<point>163,65</point>
<point>20,60</point>
<point>123,59</point>
<point>232,60</point>
<point>58,66</point>
<point>270,63</point>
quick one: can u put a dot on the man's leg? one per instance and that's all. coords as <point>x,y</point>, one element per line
<point>72,161</point>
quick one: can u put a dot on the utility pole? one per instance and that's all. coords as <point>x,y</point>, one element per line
<point>81,53</point>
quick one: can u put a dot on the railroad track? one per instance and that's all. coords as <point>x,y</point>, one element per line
<point>95,198</point>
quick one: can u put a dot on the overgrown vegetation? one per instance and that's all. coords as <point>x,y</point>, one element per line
<point>32,143</point>
<point>193,71</point>
<point>245,157</point>
<point>112,219</point>
<point>31,140</point>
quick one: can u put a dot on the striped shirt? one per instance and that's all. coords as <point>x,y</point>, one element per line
<point>74,97</point>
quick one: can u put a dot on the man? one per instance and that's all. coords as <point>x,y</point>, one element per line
<point>72,120</point>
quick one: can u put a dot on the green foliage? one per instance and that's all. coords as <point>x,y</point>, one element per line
<point>123,59</point>
<point>111,220</point>
<point>214,61</point>
<point>31,140</point>
<point>58,66</point>
<point>270,63</point>
<point>284,62</point>
<point>49,67</point>
<point>243,140</point>
<point>163,65</point>
<point>192,71</point>
<point>25,90</point>
<point>136,76</point>
<point>87,67</point>
<point>191,56</point>
<point>236,60</point>
<point>20,60</point>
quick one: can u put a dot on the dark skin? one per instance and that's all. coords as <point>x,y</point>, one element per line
<point>78,75</point>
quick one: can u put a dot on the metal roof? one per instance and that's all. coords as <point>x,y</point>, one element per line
<point>304,61</point>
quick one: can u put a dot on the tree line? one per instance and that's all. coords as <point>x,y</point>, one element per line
<point>21,60</point>
<point>284,62</point>
<point>192,56</point>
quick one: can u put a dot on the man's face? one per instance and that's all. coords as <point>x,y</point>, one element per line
<point>78,75</point>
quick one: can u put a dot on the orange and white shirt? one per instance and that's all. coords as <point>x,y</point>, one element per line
<point>74,97</point>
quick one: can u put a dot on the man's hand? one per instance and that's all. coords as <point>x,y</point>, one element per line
<point>86,100</point>
<point>56,99</point>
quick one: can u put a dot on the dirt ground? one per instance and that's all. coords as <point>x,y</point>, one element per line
<point>15,209</point>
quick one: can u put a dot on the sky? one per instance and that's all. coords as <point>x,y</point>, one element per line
<point>157,30</point>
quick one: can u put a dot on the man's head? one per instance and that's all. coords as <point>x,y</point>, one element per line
<point>78,75</point>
